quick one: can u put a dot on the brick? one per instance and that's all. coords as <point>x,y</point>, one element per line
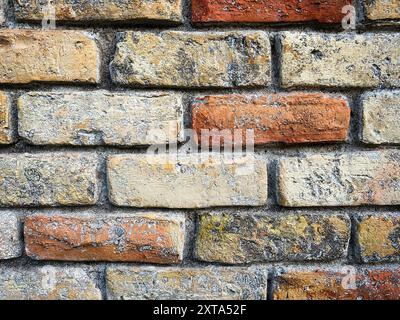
<point>132,283</point>
<point>332,60</point>
<point>3,4</point>
<point>126,11</point>
<point>100,118</point>
<point>47,283</point>
<point>186,181</point>
<point>382,9</point>
<point>6,136</point>
<point>287,118</point>
<point>268,11</point>
<point>237,238</point>
<point>148,238</point>
<point>192,59</point>
<point>365,178</point>
<point>11,245</point>
<point>336,284</point>
<point>378,238</point>
<point>47,56</point>
<point>48,179</point>
<point>381,117</point>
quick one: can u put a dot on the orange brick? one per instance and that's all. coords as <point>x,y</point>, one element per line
<point>139,238</point>
<point>369,284</point>
<point>268,11</point>
<point>287,118</point>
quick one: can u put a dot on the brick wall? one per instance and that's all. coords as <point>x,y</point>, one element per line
<point>311,213</point>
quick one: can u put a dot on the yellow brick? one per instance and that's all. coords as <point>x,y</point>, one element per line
<point>47,56</point>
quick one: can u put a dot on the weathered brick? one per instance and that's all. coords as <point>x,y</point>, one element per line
<point>382,9</point>
<point>5,119</point>
<point>268,11</point>
<point>100,117</point>
<point>186,181</point>
<point>149,238</point>
<point>47,56</point>
<point>3,4</point>
<point>100,11</point>
<point>337,284</point>
<point>367,178</point>
<point>237,238</point>
<point>48,179</point>
<point>47,283</point>
<point>288,118</point>
<point>379,237</point>
<point>132,283</point>
<point>381,117</point>
<point>192,59</point>
<point>345,60</point>
<point>11,245</point>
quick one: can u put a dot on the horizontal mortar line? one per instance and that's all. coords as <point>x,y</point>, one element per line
<point>388,25</point>
<point>49,88</point>
<point>293,150</point>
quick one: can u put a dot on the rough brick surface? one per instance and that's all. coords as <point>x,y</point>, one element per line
<point>382,9</point>
<point>192,59</point>
<point>236,238</point>
<point>11,245</point>
<point>148,238</point>
<point>5,119</point>
<point>47,283</point>
<point>2,11</point>
<point>379,238</point>
<point>100,11</point>
<point>47,56</point>
<point>367,178</point>
<point>100,117</point>
<point>199,149</point>
<point>186,181</point>
<point>325,284</point>
<point>186,283</point>
<point>381,117</point>
<point>268,11</point>
<point>48,179</point>
<point>329,60</point>
<point>288,118</point>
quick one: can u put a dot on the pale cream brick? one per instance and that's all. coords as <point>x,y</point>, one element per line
<point>367,178</point>
<point>381,117</point>
<point>100,118</point>
<point>47,283</point>
<point>133,283</point>
<point>189,181</point>
<point>340,60</point>
<point>11,244</point>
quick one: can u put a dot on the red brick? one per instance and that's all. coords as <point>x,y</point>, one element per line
<point>329,11</point>
<point>288,118</point>
<point>370,284</point>
<point>139,238</point>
